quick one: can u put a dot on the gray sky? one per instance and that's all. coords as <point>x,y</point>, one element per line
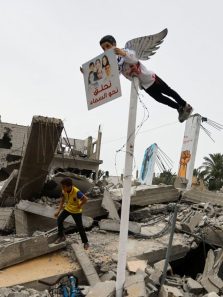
<point>44,42</point>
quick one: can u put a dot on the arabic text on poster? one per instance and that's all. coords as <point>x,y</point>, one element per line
<point>101,77</point>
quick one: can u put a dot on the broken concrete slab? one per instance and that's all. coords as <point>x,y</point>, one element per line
<point>208,285</point>
<point>194,286</point>
<point>108,204</point>
<point>21,291</point>
<point>144,195</point>
<point>154,250</point>
<point>91,209</point>
<point>212,294</point>
<point>213,235</point>
<point>197,196</point>
<point>47,267</point>
<point>114,225</point>
<point>110,275</point>
<point>7,191</point>
<point>42,141</point>
<point>25,221</point>
<point>12,141</point>
<point>160,265</point>
<point>156,277</point>
<point>79,181</point>
<point>167,291</point>
<point>190,222</point>
<point>102,289</point>
<point>210,279</point>
<point>24,249</point>
<point>86,265</point>
<point>134,265</point>
<point>7,221</point>
<point>135,286</point>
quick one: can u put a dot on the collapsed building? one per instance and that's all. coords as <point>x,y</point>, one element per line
<point>79,156</point>
<point>29,155</point>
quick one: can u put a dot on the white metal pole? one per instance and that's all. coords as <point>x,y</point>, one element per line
<point>123,235</point>
<point>197,118</point>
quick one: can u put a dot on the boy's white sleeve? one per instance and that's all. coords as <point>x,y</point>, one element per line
<point>130,57</point>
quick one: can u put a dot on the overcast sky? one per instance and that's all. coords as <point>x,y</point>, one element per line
<point>44,42</point>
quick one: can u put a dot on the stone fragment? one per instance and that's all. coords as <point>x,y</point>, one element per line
<point>135,286</point>
<point>134,265</point>
<point>102,289</point>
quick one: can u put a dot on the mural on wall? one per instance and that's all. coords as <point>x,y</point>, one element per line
<point>148,163</point>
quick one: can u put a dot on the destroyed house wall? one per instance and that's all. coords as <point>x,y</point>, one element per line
<point>86,148</point>
<point>12,138</point>
<point>73,155</point>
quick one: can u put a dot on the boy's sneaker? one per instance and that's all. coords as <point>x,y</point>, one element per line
<point>60,239</point>
<point>86,246</point>
<point>184,112</point>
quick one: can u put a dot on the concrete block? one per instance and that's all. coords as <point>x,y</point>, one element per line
<point>151,290</point>
<point>212,294</point>
<point>192,222</point>
<point>7,221</point>
<point>168,291</point>
<point>114,225</point>
<point>193,286</point>
<point>25,249</point>
<point>27,222</point>
<point>7,191</point>
<point>134,265</point>
<point>86,265</point>
<point>156,276</point>
<point>108,204</point>
<point>43,139</point>
<point>108,276</point>
<point>160,265</point>
<point>105,289</point>
<point>197,196</point>
<point>144,195</point>
<point>213,236</point>
<point>135,286</point>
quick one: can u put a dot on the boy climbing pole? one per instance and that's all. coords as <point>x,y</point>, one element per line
<point>129,65</point>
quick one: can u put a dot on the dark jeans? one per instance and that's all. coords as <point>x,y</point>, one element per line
<point>159,89</point>
<point>77,219</point>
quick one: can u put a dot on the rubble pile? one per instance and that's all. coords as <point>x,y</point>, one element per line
<point>21,291</point>
<point>146,252</point>
<point>202,220</point>
<point>28,226</point>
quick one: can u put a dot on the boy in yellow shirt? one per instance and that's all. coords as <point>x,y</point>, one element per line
<point>71,203</point>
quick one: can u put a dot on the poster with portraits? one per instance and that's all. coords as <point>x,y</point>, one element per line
<point>101,78</point>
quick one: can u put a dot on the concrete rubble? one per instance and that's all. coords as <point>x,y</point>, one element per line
<point>114,225</point>
<point>21,249</point>
<point>7,220</point>
<point>147,244</point>
<point>86,265</point>
<point>42,142</point>
<point>21,291</point>
<point>7,191</point>
<point>28,227</point>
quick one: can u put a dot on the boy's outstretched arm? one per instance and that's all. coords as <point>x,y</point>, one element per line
<point>129,55</point>
<point>120,52</point>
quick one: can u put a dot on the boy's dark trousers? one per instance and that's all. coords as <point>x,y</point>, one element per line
<point>77,219</point>
<point>159,89</point>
